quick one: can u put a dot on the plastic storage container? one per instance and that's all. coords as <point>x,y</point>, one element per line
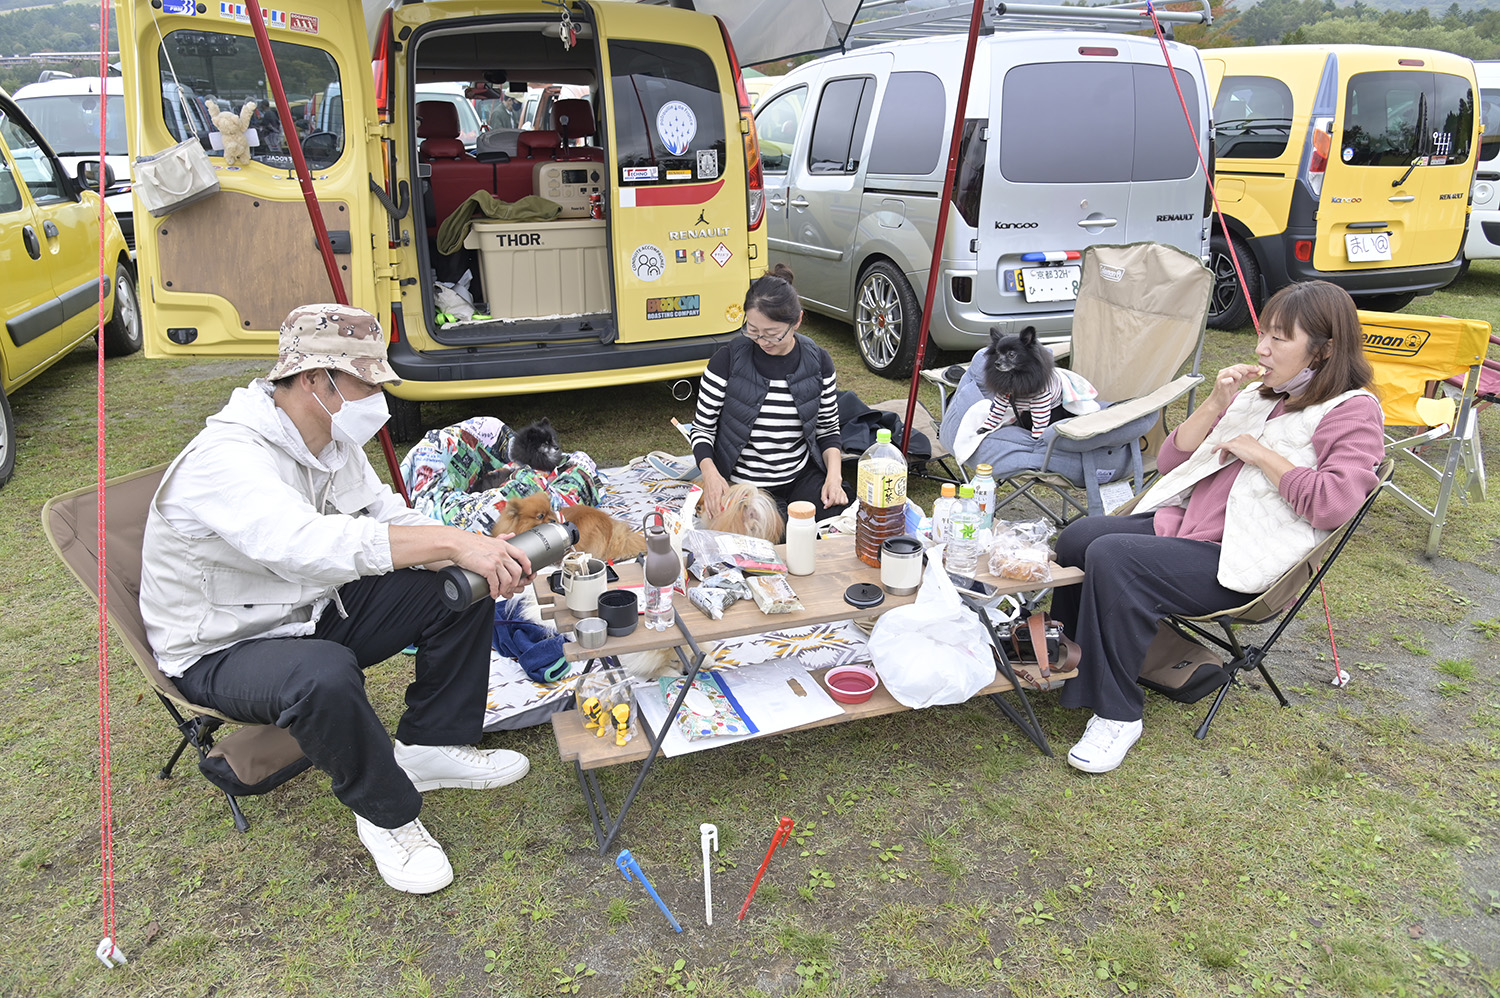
<point>882,498</point>
<point>801,538</point>
<point>962,554</point>
<point>534,269</point>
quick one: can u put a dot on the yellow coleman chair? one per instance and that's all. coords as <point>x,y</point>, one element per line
<point>1409,352</point>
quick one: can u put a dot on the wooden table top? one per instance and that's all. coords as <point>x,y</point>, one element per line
<point>822,598</point>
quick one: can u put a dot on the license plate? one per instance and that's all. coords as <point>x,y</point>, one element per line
<point>1368,246</point>
<point>1051,283</point>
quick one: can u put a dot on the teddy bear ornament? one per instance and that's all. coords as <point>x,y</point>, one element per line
<point>233,127</point>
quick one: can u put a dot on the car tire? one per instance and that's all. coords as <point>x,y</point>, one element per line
<point>406,419</point>
<point>887,319</point>
<point>1227,309</point>
<point>122,333</point>
<point>7,440</point>
<point>1385,303</point>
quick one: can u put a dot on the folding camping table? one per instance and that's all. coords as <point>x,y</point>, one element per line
<point>822,598</point>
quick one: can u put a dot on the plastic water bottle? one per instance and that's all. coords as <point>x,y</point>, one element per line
<point>882,498</point>
<point>962,553</point>
<point>942,509</point>
<point>662,569</point>
<point>984,494</point>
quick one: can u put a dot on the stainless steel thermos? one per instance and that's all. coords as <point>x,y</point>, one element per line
<point>544,545</point>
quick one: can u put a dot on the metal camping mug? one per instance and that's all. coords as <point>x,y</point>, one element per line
<point>543,546</point>
<point>901,565</point>
<point>583,583</point>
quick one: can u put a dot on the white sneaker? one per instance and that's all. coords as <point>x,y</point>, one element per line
<point>408,858</point>
<point>1104,744</point>
<point>433,766</point>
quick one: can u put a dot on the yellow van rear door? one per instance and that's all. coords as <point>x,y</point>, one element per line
<point>681,248</point>
<point>1399,165</point>
<point>218,276</point>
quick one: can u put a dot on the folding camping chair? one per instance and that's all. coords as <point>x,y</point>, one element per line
<point>1176,649</point>
<point>1141,312</point>
<point>255,757</point>
<point>1408,352</point>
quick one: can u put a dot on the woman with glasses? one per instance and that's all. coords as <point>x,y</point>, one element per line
<point>768,410</point>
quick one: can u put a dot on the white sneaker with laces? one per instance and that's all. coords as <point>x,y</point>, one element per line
<point>433,766</point>
<point>408,857</point>
<point>1104,744</point>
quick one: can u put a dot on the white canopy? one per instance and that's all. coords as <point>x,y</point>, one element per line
<point>762,30</point>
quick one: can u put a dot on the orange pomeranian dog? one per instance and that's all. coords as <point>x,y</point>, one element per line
<point>600,534</point>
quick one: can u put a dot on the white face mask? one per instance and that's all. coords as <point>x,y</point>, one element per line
<point>357,422</point>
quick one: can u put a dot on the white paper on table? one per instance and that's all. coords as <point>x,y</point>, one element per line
<point>765,693</point>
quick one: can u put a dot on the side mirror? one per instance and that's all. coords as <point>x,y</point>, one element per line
<point>88,174</point>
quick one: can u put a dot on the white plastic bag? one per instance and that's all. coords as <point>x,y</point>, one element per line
<point>936,650</point>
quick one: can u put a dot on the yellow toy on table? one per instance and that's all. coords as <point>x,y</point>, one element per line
<point>622,722</point>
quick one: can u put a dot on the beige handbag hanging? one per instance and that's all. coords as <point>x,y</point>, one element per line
<point>179,176</point>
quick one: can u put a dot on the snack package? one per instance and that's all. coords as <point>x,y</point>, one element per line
<point>773,593</point>
<point>719,592</point>
<point>1020,550</point>
<point>598,696</point>
<point>714,551</point>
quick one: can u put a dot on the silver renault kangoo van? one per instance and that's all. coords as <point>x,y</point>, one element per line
<point>1070,138</point>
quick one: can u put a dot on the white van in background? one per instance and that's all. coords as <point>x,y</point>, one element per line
<point>66,111</point>
<point>1072,138</point>
<point>1483,241</point>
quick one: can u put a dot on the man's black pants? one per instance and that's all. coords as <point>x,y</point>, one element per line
<point>315,686</point>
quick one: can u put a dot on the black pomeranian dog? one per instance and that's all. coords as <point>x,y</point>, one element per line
<point>1020,375</point>
<point>536,446</point>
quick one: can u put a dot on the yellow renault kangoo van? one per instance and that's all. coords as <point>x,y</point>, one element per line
<point>650,129</point>
<point>1345,163</point>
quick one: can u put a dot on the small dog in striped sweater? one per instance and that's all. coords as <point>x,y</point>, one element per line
<point>1023,382</point>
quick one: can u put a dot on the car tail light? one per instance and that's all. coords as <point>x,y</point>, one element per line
<point>755,178</point>
<point>1320,134</point>
<point>1409,62</point>
<point>1097,50</point>
<point>1302,249</point>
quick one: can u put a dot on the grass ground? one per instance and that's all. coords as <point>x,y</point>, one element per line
<point>1346,846</point>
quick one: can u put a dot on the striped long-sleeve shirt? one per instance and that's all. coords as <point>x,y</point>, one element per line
<point>777,449</point>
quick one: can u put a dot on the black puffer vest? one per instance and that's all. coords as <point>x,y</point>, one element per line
<point>745,390</point>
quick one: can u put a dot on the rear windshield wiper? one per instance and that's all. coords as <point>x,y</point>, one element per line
<point>1414,164</point>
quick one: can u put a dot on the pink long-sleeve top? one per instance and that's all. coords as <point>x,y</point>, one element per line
<point>1348,444</point>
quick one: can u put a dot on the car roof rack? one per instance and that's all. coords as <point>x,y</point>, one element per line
<point>953,18</point>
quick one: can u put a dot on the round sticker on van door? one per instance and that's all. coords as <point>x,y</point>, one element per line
<point>648,262</point>
<point>676,124</point>
<point>1348,153</point>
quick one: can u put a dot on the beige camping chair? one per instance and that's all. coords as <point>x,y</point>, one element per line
<point>1141,313</point>
<point>1176,656</point>
<point>254,758</point>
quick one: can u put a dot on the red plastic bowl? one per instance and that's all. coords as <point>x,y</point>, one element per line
<point>850,683</point>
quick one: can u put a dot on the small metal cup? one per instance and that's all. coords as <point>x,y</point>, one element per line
<point>590,632</point>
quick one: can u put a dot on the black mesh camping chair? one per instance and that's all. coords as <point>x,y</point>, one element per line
<point>253,758</point>
<point>1178,664</point>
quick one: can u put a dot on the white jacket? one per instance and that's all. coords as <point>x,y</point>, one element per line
<point>1263,535</point>
<point>250,535</point>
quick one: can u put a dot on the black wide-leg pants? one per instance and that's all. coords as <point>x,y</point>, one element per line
<point>1131,580</point>
<point>315,686</point>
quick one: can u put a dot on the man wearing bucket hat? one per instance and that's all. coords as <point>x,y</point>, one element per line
<point>277,567</point>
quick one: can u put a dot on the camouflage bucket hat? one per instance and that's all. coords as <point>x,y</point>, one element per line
<point>323,336</point>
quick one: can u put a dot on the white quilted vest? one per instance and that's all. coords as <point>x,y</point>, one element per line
<point>1263,535</point>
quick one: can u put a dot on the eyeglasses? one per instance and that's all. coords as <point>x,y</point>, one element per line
<point>765,340</point>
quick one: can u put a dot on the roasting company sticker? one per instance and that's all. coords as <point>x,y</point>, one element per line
<point>721,254</point>
<point>637,174</point>
<point>674,307</point>
<point>647,262</point>
<point>676,124</point>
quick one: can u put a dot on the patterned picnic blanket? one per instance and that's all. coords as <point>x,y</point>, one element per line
<point>441,468</point>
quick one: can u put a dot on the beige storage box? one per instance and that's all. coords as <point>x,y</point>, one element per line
<point>538,270</point>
